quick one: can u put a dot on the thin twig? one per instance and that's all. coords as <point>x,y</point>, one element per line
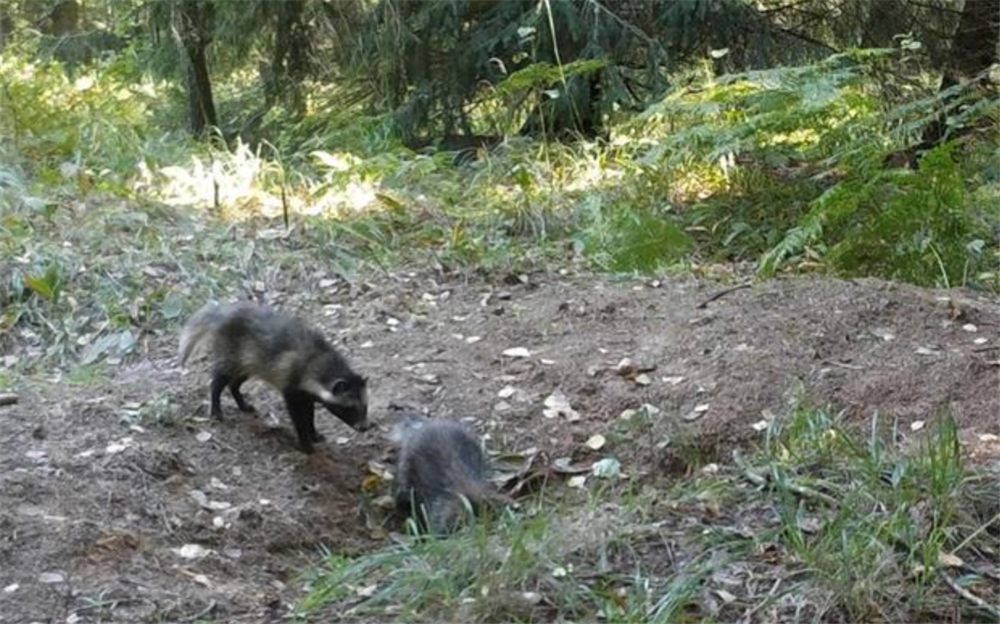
<point>853,367</point>
<point>972,535</point>
<point>982,349</point>
<point>723,293</point>
<point>964,593</point>
<point>9,399</point>
<point>197,616</point>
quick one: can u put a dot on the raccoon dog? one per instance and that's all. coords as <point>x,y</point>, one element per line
<point>441,472</point>
<point>245,340</point>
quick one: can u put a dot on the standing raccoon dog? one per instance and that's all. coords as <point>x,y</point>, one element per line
<point>441,472</point>
<point>245,340</point>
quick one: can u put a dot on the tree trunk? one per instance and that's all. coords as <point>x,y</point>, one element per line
<point>194,33</point>
<point>975,46</point>
<point>201,106</point>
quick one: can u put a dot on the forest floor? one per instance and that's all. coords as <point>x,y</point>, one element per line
<point>120,500</point>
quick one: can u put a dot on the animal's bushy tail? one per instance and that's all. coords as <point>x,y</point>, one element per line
<point>200,329</point>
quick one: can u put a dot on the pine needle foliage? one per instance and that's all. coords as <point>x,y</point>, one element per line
<point>437,64</point>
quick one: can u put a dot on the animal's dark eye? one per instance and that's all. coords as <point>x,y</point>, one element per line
<point>340,387</point>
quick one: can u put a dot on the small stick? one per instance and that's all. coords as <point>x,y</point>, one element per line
<point>197,616</point>
<point>972,535</point>
<point>853,367</point>
<point>983,349</point>
<point>723,293</point>
<point>9,399</point>
<point>964,593</point>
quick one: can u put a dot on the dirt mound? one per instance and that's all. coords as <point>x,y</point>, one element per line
<point>122,499</point>
<point>864,347</point>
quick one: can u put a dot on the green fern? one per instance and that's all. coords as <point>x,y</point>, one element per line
<point>914,226</point>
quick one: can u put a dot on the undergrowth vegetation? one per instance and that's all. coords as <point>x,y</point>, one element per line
<point>820,524</point>
<point>110,221</point>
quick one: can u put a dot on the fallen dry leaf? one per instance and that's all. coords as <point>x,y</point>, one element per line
<point>725,596</point>
<point>885,334</point>
<point>625,367</point>
<point>635,372</point>
<point>532,598</point>
<point>577,482</point>
<point>191,551</point>
<point>115,447</point>
<point>557,404</point>
<point>201,579</point>
<point>50,578</point>
<point>517,352</point>
<point>950,560</point>
<point>203,436</point>
<point>379,470</point>
<point>564,465</point>
<point>697,412</point>
<point>199,497</point>
<point>916,425</point>
<point>596,442</point>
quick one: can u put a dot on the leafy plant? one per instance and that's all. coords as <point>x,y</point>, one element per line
<point>914,226</point>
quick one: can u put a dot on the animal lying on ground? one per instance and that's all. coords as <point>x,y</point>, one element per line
<point>441,473</point>
<point>245,340</point>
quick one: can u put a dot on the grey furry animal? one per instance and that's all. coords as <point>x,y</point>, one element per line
<point>441,472</point>
<point>245,340</point>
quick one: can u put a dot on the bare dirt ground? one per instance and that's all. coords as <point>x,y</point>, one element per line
<point>121,501</point>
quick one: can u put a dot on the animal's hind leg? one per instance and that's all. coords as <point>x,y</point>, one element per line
<point>220,379</point>
<point>234,388</point>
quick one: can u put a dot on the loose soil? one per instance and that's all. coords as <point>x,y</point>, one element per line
<point>97,504</point>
